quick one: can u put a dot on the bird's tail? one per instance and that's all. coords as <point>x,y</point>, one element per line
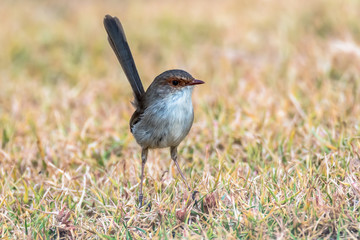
<point>118,42</point>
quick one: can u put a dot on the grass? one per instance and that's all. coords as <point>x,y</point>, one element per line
<point>273,152</point>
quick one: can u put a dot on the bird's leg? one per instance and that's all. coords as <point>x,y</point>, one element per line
<point>144,153</point>
<point>173,153</point>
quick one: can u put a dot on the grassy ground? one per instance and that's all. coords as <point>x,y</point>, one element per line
<point>273,152</point>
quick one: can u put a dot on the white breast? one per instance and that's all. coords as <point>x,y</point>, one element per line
<point>166,122</point>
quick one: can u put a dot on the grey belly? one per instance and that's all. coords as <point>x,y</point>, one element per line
<point>157,131</point>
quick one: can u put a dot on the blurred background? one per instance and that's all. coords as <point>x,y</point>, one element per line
<point>263,59</point>
<point>266,64</point>
<point>282,87</point>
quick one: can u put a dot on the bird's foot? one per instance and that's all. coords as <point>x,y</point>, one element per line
<point>147,204</point>
<point>193,196</point>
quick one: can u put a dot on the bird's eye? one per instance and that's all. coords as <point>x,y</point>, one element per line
<point>175,82</point>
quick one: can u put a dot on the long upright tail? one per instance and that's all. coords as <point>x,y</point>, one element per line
<point>118,42</point>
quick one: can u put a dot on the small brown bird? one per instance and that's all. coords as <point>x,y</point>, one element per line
<point>164,113</point>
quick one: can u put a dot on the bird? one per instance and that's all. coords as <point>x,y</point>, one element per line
<point>164,112</point>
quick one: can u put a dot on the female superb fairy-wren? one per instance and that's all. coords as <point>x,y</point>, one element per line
<point>164,113</point>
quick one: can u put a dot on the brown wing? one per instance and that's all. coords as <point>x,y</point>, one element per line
<point>135,118</point>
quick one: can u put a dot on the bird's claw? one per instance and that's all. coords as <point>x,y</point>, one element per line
<point>193,196</point>
<point>148,204</point>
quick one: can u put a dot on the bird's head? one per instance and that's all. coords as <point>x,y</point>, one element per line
<point>172,81</point>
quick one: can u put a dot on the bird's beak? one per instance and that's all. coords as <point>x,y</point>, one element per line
<point>195,82</point>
